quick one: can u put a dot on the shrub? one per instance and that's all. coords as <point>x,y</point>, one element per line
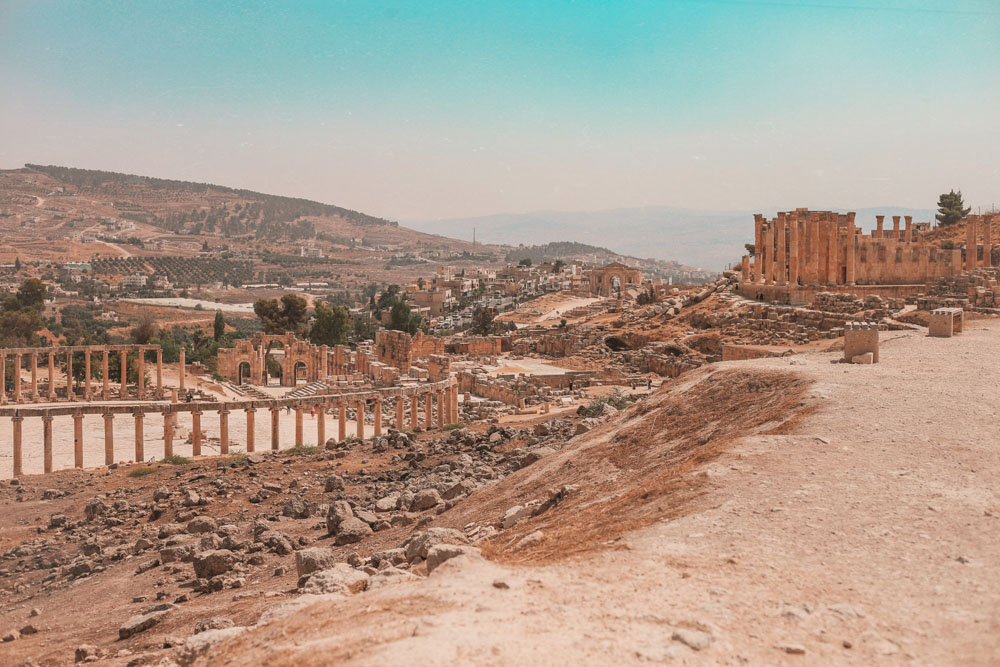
<point>176,460</point>
<point>615,399</point>
<point>141,471</point>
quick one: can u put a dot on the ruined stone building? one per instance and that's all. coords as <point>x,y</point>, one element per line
<point>811,249</point>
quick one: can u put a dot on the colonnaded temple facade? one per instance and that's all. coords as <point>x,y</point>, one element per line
<point>803,249</point>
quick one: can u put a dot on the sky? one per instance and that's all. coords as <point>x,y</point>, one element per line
<point>424,110</point>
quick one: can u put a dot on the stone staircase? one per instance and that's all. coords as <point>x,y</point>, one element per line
<point>311,389</point>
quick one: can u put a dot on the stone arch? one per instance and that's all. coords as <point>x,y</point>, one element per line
<point>244,372</point>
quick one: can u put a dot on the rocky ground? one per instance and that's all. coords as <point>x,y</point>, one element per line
<point>777,511</point>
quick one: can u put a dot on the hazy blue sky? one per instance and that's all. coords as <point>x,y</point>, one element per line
<point>442,109</point>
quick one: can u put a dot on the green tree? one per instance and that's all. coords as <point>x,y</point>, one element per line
<point>558,265</point>
<point>401,318</point>
<point>525,262</point>
<point>32,293</point>
<point>278,318</point>
<point>21,314</point>
<point>482,322</point>
<point>951,208</point>
<point>330,325</point>
<point>219,326</point>
<point>143,332</point>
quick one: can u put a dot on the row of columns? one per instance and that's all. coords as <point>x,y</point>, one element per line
<point>803,246</point>
<point>446,401</point>
<point>88,393</point>
<point>973,225</point>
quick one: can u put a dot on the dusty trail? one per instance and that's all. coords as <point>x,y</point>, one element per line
<point>868,533</point>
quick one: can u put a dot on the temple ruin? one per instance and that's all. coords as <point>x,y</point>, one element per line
<point>800,252</point>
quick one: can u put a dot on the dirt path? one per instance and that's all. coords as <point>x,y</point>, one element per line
<point>869,535</point>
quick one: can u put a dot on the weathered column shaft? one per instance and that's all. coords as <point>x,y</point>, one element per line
<point>414,412</point>
<point>168,434</point>
<point>361,420</point>
<point>223,431</point>
<point>400,414</point>
<point>17,378</point>
<point>971,242</point>
<point>78,440</point>
<point>47,443</point>
<point>3,379</point>
<point>833,254</point>
<point>377,414</point>
<point>908,230</point>
<point>159,370</point>
<point>34,375</point>
<point>109,438</point>
<point>105,379</point>
<point>440,406</point>
<point>275,428</point>
<point>181,369</point>
<point>16,422</point>
<point>988,241</point>
<point>321,425</point>
<point>86,374</point>
<point>140,440</point>
<point>341,422</point>
<point>428,410</point>
<point>123,358</point>
<point>793,251</point>
<point>880,224</point>
<point>298,426</point>
<point>781,254</point>
<point>140,377</point>
<point>250,429</point>
<point>850,253</point>
<point>52,376</point>
<point>196,433</point>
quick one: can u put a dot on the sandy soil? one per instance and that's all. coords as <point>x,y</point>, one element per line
<point>865,534</point>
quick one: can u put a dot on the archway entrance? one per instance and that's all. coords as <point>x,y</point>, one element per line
<point>300,372</point>
<point>243,372</point>
<point>274,362</point>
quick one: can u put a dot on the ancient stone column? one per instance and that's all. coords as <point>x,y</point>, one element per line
<point>17,377</point>
<point>895,228</point>
<point>377,413</point>
<point>78,439</point>
<point>833,254</point>
<point>298,426</point>
<point>140,378</point>
<point>250,428</point>
<point>123,356</point>
<point>745,269</point>
<point>34,376</point>
<point>781,254</point>
<point>400,414</point>
<point>850,254</point>
<point>159,370</point>
<point>140,441</point>
<point>52,376</point>
<point>69,376</point>
<point>16,421</point>
<point>321,425</point>
<point>86,374</point>
<point>105,379</point>
<point>275,430</point>
<point>908,231</point>
<point>223,431</point>
<point>109,438</point>
<point>793,251</point>
<point>414,412</point>
<point>428,410</point>
<point>440,406</point>
<point>361,420</point>
<point>181,369</point>
<point>988,241</point>
<point>971,243</point>
<point>47,443</point>
<point>768,257</point>
<point>196,433</point>
<point>342,422</point>
<point>168,434</point>
<point>879,222</point>
<point>454,404</point>
<point>758,246</point>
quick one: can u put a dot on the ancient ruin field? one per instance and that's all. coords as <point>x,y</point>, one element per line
<point>773,511</point>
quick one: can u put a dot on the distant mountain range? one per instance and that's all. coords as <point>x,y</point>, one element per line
<point>706,239</point>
